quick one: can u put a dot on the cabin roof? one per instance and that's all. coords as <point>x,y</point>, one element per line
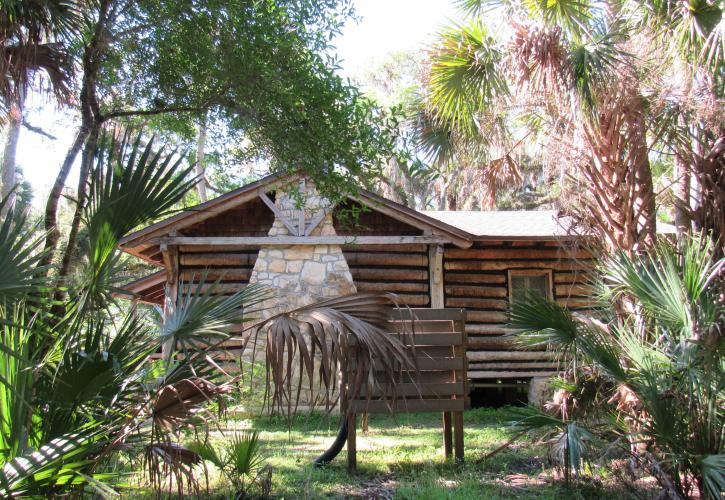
<point>537,224</point>
<point>149,289</point>
<point>516,224</point>
<point>132,242</point>
<point>461,227</point>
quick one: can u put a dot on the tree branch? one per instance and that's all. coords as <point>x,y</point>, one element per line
<point>38,130</point>
<point>151,112</point>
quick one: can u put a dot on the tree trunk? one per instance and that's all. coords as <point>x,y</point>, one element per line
<point>51,207</point>
<point>452,200</point>
<point>199,167</point>
<point>9,177</point>
<point>648,218</point>
<point>90,116</point>
<point>86,164</point>
<point>683,222</point>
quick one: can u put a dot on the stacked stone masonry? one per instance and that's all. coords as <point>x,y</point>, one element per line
<point>299,275</point>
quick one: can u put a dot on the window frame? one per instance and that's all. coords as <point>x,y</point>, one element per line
<point>531,272</point>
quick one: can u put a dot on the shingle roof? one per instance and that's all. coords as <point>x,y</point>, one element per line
<point>506,224</point>
<point>516,224</point>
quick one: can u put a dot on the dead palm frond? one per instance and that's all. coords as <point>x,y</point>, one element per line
<point>176,403</point>
<point>323,343</point>
<point>33,37</point>
<point>537,59</point>
<point>169,462</point>
<point>616,199</point>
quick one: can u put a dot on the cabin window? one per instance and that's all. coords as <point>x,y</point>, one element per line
<point>523,282</point>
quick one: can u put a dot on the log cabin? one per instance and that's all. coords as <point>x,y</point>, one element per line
<point>479,261</point>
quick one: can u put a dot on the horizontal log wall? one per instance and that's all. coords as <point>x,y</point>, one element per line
<point>232,266</point>
<point>401,269</point>
<point>477,279</point>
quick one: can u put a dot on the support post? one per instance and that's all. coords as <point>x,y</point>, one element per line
<point>170,254</point>
<point>351,442</point>
<point>447,435</point>
<point>435,274</point>
<point>458,435</point>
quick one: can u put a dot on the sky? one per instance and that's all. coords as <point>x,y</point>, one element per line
<point>386,26</point>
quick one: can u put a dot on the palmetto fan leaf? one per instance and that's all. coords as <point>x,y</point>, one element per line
<point>200,316</point>
<point>574,15</point>
<point>669,283</point>
<point>662,350</point>
<point>594,60</point>
<point>58,463</point>
<point>466,75</point>
<point>20,250</point>
<point>542,322</point>
<point>130,185</point>
<point>133,184</point>
<point>694,29</point>
<point>244,455</point>
<point>713,474</point>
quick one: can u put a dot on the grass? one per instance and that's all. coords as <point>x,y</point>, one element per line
<point>402,457</point>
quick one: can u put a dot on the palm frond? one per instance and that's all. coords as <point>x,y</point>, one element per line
<point>207,452</point>
<point>668,283</point>
<point>466,76</point>
<point>17,339</point>
<point>20,251</point>
<point>327,337</point>
<point>176,402</point>
<point>433,138</point>
<point>593,61</point>
<point>35,39</point>
<point>130,185</point>
<point>199,317</point>
<point>713,475</point>
<point>58,463</point>
<point>243,452</point>
<point>543,322</point>
<point>574,15</point>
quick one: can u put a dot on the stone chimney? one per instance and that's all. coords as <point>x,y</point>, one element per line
<point>301,274</point>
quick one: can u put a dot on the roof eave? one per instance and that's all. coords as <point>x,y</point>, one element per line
<point>458,237</point>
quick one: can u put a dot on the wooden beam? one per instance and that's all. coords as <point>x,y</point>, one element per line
<point>415,219</point>
<point>477,374</point>
<point>351,442</point>
<point>171,262</point>
<point>297,240</point>
<point>315,221</point>
<point>301,221</point>
<point>458,436</point>
<point>447,435</point>
<point>435,273</point>
<point>278,213</point>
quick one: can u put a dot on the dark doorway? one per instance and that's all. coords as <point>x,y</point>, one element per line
<point>500,393</point>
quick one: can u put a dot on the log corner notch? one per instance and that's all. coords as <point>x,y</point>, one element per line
<point>439,385</point>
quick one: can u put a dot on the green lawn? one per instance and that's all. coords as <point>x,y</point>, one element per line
<point>402,457</point>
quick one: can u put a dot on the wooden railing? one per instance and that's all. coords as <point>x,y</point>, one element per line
<point>439,384</point>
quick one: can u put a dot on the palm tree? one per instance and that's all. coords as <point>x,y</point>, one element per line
<point>78,382</point>
<point>662,387</point>
<point>34,42</point>
<point>568,64</point>
<point>473,146</point>
<point>689,39</point>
